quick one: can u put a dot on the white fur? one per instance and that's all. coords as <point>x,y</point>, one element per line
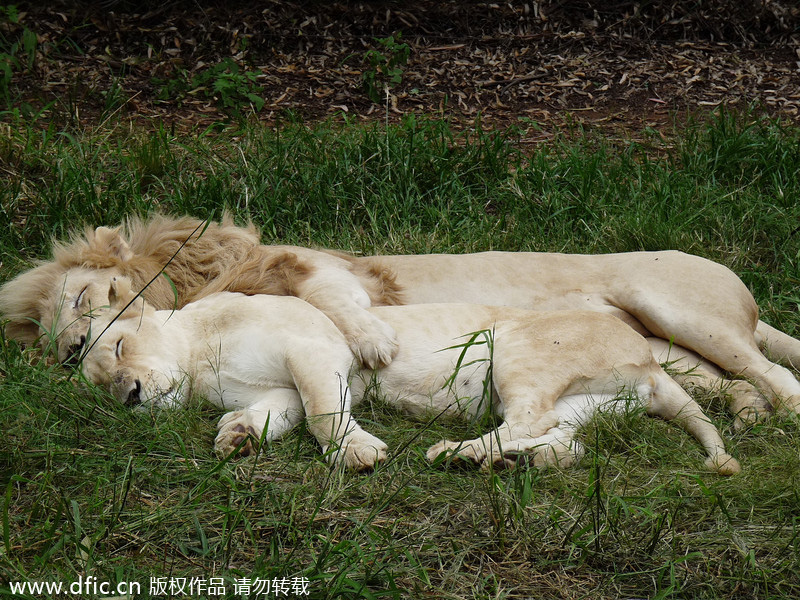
<point>699,306</point>
<point>277,359</point>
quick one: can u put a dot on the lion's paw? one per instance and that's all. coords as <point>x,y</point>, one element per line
<point>359,451</point>
<point>375,344</point>
<point>233,428</point>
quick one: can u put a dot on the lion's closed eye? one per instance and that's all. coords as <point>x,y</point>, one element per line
<point>118,349</point>
<point>79,299</point>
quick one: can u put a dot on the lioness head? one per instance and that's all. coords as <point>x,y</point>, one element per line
<point>127,353</point>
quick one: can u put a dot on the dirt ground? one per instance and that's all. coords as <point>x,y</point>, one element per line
<point>618,65</point>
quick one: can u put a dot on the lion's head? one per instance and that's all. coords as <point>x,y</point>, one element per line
<point>127,353</point>
<point>53,302</point>
<point>69,307</point>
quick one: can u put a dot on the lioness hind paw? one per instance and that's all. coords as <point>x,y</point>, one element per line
<point>538,459</point>
<point>456,453</point>
<point>546,451</point>
<point>746,414</point>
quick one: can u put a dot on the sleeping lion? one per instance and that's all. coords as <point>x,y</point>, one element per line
<point>693,303</point>
<point>273,360</point>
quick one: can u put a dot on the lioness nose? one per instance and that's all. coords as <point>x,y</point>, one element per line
<point>134,396</point>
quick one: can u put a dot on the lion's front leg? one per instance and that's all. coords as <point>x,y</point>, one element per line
<point>277,410</point>
<point>373,342</point>
<point>339,294</point>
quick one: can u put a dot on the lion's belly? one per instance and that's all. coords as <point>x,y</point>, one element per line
<point>521,279</point>
<point>541,282</point>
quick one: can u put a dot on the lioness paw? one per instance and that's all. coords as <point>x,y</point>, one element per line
<point>723,463</point>
<point>358,451</point>
<point>747,404</point>
<point>552,449</point>
<point>458,452</point>
<point>233,429</point>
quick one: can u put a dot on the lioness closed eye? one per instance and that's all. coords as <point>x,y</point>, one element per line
<point>277,359</point>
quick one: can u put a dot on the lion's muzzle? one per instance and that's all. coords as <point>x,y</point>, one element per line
<point>74,352</point>
<point>135,395</point>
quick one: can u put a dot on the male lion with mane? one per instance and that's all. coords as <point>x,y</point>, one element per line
<point>693,303</point>
<point>277,359</point>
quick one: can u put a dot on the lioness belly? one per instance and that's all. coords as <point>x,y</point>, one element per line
<point>442,363</point>
<point>429,384</point>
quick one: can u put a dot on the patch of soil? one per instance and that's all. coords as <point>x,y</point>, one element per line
<point>620,65</point>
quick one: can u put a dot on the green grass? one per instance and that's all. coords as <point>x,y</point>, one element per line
<point>89,488</point>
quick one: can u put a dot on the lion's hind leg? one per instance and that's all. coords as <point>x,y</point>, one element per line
<point>733,348</point>
<point>778,345</point>
<point>743,400</point>
<point>777,383</point>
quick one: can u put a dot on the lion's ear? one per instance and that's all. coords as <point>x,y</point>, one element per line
<point>106,247</point>
<point>120,292</point>
<point>122,297</point>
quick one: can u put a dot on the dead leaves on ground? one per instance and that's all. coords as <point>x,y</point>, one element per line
<point>468,59</point>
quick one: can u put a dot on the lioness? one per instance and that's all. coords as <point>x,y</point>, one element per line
<point>693,302</point>
<point>275,359</point>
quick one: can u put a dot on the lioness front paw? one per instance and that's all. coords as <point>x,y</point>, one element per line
<point>358,451</point>
<point>471,451</point>
<point>233,428</point>
<point>374,344</point>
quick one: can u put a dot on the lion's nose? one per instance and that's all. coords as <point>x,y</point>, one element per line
<point>134,396</point>
<point>74,352</point>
